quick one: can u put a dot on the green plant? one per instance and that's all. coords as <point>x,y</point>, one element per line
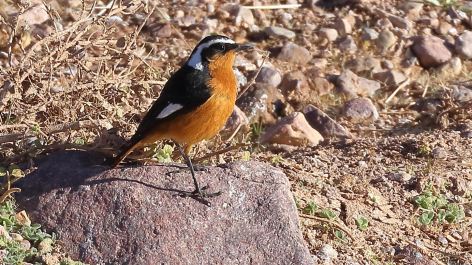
<point>437,206</point>
<point>442,3</point>
<point>256,130</point>
<point>164,154</point>
<point>310,209</point>
<point>327,214</point>
<point>362,222</point>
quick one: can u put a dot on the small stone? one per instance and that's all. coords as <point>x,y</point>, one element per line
<point>442,240</point>
<point>360,110</point>
<point>384,23</point>
<point>370,34</point>
<point>268,76</point>
<point>347,43</point>
<point>386,40</point>
<point>293,53</point>
<point>294,87</point>
<point>430,51</point>
<point>456,235</point>
<point>319,62</point>
<point>362,64</point>
<point>461,93</point>
<point>279,33</point>
<point>390,78</point>
<point>16,237</point>
<point>412,9</point>
<point>342,26</point>
<point>22,218</point>
<point>292,130</point>
<point>464,45</point>
<point>352,85</point>
<point>387,64</point>
<point>452,68</point>
<point>243,14</point>
<point>4,232</point>
<point>326,126</point>
<point>443,28</point>
<point>322,86</point>
<point>430,22</point>
<point>460,186</point>
<point>401,177</point>
<point>329,34</point>
<point>439,153</point>
<point>25,244</point>
<point>327,254</point>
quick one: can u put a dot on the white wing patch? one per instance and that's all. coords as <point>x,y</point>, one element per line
<point>195,60</point>
<point>171,108</point>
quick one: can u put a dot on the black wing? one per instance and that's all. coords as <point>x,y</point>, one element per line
<point>186,87</point>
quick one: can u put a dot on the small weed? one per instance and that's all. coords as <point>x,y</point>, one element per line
<point>296,203</point>
<point>276,159</point>
<point>424,150</point>
<point>362,222</point>
<point>328,214</point>
<point>246,156</point>
<point>310,209</point>
<point>442,3</point>
<point>256,131</point>
<point>437,206</point>
<point>163,155</point>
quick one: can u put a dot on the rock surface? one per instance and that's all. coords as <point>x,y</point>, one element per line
<point>430,50</point>
<point>132,215</point>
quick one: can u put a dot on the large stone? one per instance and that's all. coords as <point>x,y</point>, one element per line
<point>293,53</point>
<point>430,51</point>
<point>132,215</point>
<point>329,34</point>
<point>292,130</point>
<point>326,126</point>
<point>268,76</point>
<point>464,45</point>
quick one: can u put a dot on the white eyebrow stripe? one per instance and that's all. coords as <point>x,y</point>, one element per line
<point>195,60</point>
<point>169,109</point>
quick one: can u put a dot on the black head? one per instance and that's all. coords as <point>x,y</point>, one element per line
<point>210,47</point>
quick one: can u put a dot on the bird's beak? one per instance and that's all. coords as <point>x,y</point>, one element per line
<point>243,47</point>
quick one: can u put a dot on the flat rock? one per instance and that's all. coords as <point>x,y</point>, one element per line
<point>268,75</point>
<point>329,34</point>
<point>293,53</point>
<point>292,130</point>
<point>132,215</point>
<point>347,44</point>
<point>360,110</point>
<point>278,32</point>
<point>326,126</point>
<point>370,34</point>
<point>430,51</point>
<point>390,78</point>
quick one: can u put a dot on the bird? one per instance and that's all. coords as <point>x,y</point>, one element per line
<point>194,104</point>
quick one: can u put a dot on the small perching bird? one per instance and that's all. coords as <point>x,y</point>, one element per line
<point>195,102</point>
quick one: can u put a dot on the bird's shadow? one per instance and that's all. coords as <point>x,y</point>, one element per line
<point>74,169</point>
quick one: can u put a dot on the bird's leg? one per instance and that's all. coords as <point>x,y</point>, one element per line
<point>198,190</point>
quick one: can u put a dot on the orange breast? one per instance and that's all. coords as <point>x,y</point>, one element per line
<point>208,119</point>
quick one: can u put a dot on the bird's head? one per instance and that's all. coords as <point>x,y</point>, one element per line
<point>215,50</point>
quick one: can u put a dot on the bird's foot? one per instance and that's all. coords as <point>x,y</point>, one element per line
<point>201,194</point>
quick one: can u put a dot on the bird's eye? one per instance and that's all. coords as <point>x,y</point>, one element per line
<point>221,47</point>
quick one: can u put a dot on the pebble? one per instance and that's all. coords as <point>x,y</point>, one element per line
<point>327,253</point>
<point>386,40</point>
<point>443,28</point>
<point>464,44</point>
<point>342,26</point>
<point>430,51</point>
<point>278,32</point>
<point>370,34</point>
<point>347,43</point>
<point>295,88</point>
<point>352,85</point>
<point>360,110</point>
<point>329,34</point>
<point>390,78</point>
<point>461,93</point>
<point>243,14</point>
<point>293,53</point>
<point>269,76</point>
<point>324,124</point>
<point>442,240</point>
<point>387,64</point>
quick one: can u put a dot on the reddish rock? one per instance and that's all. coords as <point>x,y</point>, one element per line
<point>295,88</point>
<point>430,50</point>
<point>326,126</point>
<point>161,30</point>
<point>293,53</point>
<point>322,86</point>
<point>292,130</point>
<point>132,215</point>
<point>237,118</point>
<point>268,76</point>
<point>390,78</point>
<point>360,110</point>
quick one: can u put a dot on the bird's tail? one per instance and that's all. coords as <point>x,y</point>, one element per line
<point>125,150</point>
